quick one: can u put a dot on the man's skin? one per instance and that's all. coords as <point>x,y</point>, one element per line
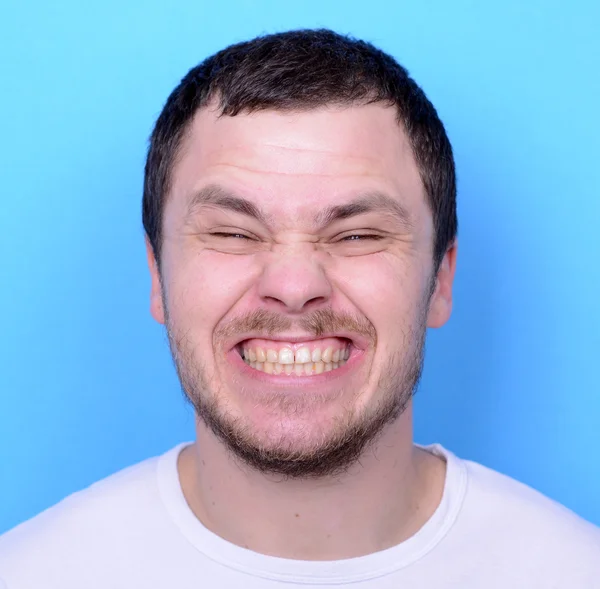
<point>294,167</point>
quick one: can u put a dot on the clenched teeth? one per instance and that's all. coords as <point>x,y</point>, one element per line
<point>303,361</point>
<point>307,369</point>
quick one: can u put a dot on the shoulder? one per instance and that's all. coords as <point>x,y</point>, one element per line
<point>85,528</point>
<point>519,522</point>
<point>497,494</point>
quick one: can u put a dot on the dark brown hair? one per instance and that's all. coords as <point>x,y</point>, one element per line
<point>301,70</point>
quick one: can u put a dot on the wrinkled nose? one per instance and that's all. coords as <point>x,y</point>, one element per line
<point>294,281</point>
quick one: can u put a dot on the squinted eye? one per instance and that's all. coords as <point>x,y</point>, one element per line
<point>360,237</point>
<point>231,235</point>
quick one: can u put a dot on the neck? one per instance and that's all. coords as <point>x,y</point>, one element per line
<point>381,501</point>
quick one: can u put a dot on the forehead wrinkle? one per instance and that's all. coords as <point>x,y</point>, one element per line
<point>250,167</point>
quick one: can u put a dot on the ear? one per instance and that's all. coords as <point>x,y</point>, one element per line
<point>156,299</point>
<point>440,305</point>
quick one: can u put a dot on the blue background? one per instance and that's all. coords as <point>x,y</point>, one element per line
<point>86,381</point>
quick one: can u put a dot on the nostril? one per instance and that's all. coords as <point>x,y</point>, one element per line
<point>293,287</point>
<point>296,305</point>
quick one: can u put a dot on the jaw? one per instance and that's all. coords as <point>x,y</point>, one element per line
<point>310,424</point>
<point>290,427</point>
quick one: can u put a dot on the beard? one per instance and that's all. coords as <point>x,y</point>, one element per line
<point>336,447</point>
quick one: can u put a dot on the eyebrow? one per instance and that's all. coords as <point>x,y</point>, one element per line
<point>214,195</point>
<point>371,202</point>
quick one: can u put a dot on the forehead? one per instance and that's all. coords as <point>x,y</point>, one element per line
<point>292,164</point>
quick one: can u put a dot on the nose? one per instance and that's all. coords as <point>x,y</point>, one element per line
<point>294,281</point>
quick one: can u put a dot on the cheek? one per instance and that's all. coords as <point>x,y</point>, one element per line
<point>381,287</point>
<point>206,286</point>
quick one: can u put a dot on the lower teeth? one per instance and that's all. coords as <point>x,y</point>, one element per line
<point>295,369</point>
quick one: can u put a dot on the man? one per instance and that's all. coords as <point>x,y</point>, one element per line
<point>299,207</point>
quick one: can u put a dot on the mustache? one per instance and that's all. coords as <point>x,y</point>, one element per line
<point>315,323</point>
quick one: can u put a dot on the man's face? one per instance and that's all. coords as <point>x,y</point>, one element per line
<point>297,281</point>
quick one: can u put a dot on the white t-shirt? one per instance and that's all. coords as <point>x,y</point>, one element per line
<point>135,530</point>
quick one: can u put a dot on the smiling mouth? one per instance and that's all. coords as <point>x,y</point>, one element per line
<point>299,359</point>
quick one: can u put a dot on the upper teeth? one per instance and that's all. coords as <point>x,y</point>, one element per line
<point>302,355</point>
